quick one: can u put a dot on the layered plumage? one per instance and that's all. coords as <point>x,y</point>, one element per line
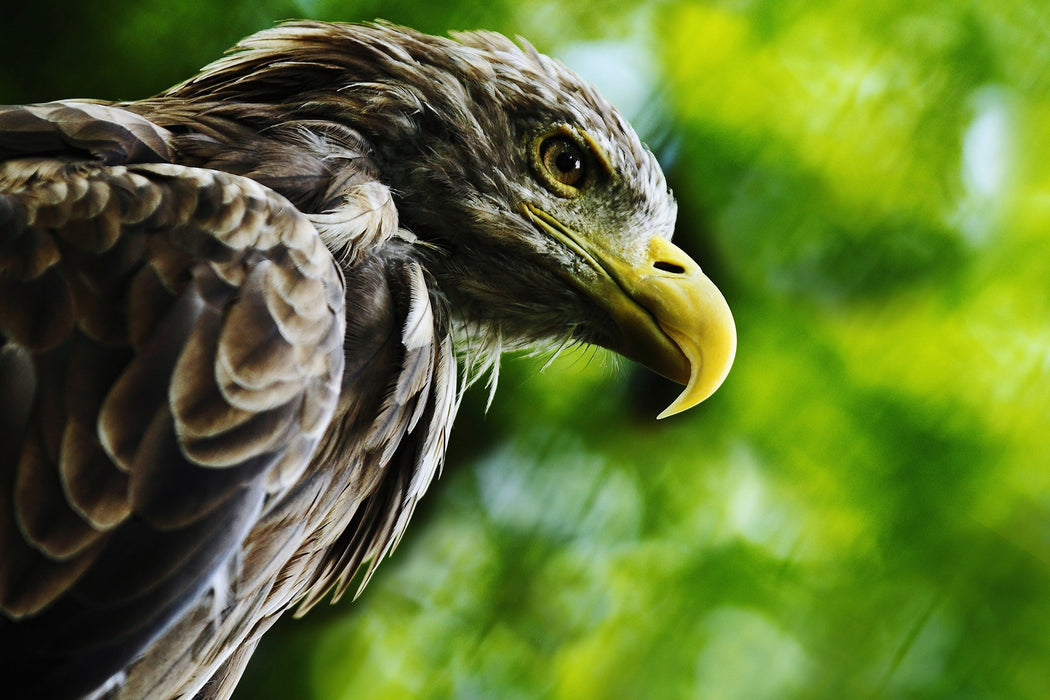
<point>230,317</point>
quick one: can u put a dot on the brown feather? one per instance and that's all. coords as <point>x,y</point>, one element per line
<point>94,487</point>
<point>42,513</point>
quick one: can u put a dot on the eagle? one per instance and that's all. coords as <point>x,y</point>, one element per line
<point>236,320</point>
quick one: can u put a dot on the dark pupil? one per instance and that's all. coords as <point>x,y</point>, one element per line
<point>567,162</point>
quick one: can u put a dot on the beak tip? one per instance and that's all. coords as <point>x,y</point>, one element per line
<point>702,384</point>
<point>686,400</point>
<point>667,413</point>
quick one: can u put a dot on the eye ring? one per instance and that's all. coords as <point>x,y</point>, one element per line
<point>562,163</point>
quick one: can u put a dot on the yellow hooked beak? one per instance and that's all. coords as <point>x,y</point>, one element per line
<point>670,317</point>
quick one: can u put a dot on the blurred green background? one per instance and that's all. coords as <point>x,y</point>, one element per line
<point>863,510</point>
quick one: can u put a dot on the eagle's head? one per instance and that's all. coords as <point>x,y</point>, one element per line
<point>542,216</point>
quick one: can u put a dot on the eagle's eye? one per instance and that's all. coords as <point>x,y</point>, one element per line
<point>562,160</point>
<point>561,164</point>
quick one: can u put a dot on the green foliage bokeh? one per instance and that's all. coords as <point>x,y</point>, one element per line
<point>864,509</point>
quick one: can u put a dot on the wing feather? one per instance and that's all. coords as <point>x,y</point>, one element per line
<point>177,477</point>
<point>142,299</point>
<point>113,136</point>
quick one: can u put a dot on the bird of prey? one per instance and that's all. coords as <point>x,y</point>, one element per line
<point>236,319</point>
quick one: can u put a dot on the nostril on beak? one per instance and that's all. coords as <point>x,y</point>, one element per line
<point>669,267</point>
